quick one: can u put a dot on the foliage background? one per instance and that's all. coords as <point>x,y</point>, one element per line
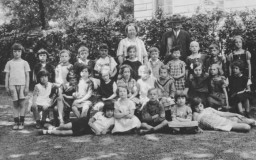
<point>69,23</point>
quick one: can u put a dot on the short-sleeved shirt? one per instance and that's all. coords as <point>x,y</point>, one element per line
<point>107,61</point>
<point>17,70</point>
<point>102,122</point>
<point>182,112</point>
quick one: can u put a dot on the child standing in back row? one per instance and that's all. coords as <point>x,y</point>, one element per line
<point>154,62</point>
<point>177,69</point>
<point>17,84</point>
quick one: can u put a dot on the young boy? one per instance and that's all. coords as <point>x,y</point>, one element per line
<point>44,96</point>
<point>100,124</point>
<point>153,114</point>
<point>154,62</point>
<point>43,55</point>
<point>17,84</point>
<point>215,58</point>
<point>105,60</point>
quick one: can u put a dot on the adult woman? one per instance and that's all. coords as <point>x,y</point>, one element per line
<point>132,39</point>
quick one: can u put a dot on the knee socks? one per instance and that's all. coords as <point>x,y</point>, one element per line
<point>22,119</point>
<point>16,120</point>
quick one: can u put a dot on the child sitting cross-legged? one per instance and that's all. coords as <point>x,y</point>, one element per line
<point>101,123</point>
<point>209,118</point>
<point>153,114</point>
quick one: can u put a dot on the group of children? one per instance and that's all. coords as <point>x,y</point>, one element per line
<point>134,97</point>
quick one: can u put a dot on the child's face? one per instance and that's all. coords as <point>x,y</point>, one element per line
<point>42,58</point>
<point>122,93</point>
<point>144,74</point>
<point>127,73</point>
<point>83,54</point>
<point>163,73</point>
<point>103,53</point>
<point>153,95</point>
<point>214,52</point>
<point>214,70</point>
<point>17,54</point>
<point>73,81</point>
<point>105,77</point>
<point>199,108</point>
<point>154,55</point>
<point>64,57</point>
<point>181,101</point>
<point>109,113</point>
<point>236,70</point>
<point>44,79</point>
<point>176,54</point>
<point>238,43</point>
<point>84,73</point>
<point>194,47</point>
<point>132,53</point>
<point>198,71</point>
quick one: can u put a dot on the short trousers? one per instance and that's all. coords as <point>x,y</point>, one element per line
<point>17,92</point>
<point>80,126</point>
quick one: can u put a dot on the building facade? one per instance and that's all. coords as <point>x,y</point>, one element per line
<point>146,9</point>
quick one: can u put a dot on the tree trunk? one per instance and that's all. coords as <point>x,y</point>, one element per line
<point>42,14</point>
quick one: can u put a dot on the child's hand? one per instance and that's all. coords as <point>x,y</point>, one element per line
<point>104,132</point>
<point>104,99</point>
<point>26,91</point>
<point>155,116</point>
<point>97,133</point>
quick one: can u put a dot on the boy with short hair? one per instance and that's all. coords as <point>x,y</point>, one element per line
<point>105,61</point>
<point>154,62</point>
<point>17,84</point>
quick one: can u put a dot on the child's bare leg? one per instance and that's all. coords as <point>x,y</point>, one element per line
<point>241,127</point>
<point>84,111</point>
<point>146,126</point>
<point>36,114</point>
<point>61,132</point>
<point>67,126</point>
<point>161,125</point>
<point>60,106</point>
<point>76,111</point>
<point>45,113</point>
<point>240,108</point>
<point>246,105</point>
<point>23,107</point>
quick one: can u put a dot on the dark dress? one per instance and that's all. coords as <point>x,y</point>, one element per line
<point>238,84</point>
<point>135,67</point>
<point>105,90</point>
<point>80,126</point>
<point>216,60</point>
<point>198,87</point>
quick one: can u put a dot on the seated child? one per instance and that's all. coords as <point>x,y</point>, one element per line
<point>238,87</point>
<point>153,114</point>
<point>82,101</point>
<point>105,60</point>
<point>66,92</point>
<point>165,84</point>
<point>101,123</point>
<point>209,118</point>
<point>145,83</point>
<point>154,62</point>
<point>41,98</point>
<point>132,61</point>
<point>125,120</point>
<point>182,115</point>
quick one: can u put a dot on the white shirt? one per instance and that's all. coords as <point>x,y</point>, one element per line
<point>102,122</point>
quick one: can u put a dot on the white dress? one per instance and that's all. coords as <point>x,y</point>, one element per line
<point>124,124</point>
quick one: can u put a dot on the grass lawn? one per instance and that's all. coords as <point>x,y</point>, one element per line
<point>27,144</point>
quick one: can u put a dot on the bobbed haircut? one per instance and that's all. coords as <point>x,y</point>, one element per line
<point>153,49</point>
<point>42,51</point>
<point>103,46</point>
<point>195,102</point>
<point>164,67</point>
<point>179,94</point>
<point>108,105</point>
<point>175,48</point>
<point>238,63</point>
<point>18,46</point>
<point>65,51</point>
<point>214,46</point>
<point>82,48</point>
<point>121,87</point>
<point>42,73</point>
<point>131,47</point>
<point>71,75</point>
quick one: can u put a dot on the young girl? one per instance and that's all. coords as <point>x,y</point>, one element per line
<point>63,68</point>
<point>240,54</point>
<point>66,92</point>
<point>166,87</point>
<point>194,57</point>
<point>125,120</point>
<point>182,114</point>
<point>218,97</point>
<point>145,83</point>
<point>210,118</point>
<point>238,87</point>
<point>177,69</point>
<point>197,86</point>
<point>133,61</point>
<point>100,124</point>
<point>127,81</point>
<point>41,98</point>
<point>153,114</point>
<point>42,55</point>
<point>82,96</point>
